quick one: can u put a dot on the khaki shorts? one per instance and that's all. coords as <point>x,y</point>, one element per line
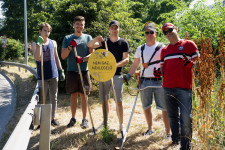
<point>73,82</point>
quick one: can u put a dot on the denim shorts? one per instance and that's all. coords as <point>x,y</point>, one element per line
<point>118,86</point>
<point>147,94</point>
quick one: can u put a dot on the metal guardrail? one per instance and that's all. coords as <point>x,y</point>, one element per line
<point>27,67</point>
<point>20,137</point>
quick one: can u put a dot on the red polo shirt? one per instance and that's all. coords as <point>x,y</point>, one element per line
<point>175,74</point>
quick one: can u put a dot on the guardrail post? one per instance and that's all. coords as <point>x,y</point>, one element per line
<point>37,115</point>
<point>45,127</point>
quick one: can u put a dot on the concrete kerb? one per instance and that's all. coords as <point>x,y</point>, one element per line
<point>10,101</point>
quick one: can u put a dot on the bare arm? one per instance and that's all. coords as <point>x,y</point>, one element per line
<point>65,52</point>
<point>91,50</point>
<point>124,61</point>
<point>96,42</point>
<point>36,51</point>
<point>134,66</point>
<point>58,63</point>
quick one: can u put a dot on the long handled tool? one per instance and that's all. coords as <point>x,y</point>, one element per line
<point>131,115</point>
<point>42,75</point>
<point>117,106</point>
<point>45,126</point>
<point>85,95</point>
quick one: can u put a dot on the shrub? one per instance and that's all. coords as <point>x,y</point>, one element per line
<point>14,49</point>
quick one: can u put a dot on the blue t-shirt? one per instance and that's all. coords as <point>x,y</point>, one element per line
<point>82,50</point>
<point>49,63</point>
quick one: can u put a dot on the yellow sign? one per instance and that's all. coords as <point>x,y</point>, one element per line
<point>102,65</point>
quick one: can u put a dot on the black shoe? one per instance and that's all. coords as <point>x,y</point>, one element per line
<point>54,123</point>
<point>71,123</point>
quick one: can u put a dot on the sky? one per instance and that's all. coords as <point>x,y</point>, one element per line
<point>209,2</point>
<point>1,10</point>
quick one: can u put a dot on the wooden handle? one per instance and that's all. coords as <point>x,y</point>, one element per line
<point>42,75</point>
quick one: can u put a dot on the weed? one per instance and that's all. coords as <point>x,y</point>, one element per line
<point>107,135</point>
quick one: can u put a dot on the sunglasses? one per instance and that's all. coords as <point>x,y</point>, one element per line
<point>150,32</point>
<point>168,31</point>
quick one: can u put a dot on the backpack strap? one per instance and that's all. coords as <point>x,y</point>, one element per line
<point>156,49</point>
<point>142,49</point>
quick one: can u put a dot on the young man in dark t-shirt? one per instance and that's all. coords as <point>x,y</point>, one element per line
<point>120,49</point>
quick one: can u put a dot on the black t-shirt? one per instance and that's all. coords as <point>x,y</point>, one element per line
<point>117,49</point>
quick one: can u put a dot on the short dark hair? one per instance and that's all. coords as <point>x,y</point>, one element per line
<point>78,18</point>
<point>44,24</point>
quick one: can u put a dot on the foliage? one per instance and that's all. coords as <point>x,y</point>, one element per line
<point>37,11</point>
<point>14,49</point>
<point>107,135</point>
<point>201,19</point>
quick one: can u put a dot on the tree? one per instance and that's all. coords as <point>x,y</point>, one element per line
<point>13,25</point>
<point>201,19</point>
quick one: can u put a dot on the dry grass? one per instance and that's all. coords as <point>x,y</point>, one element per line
<point>24,88</point>
<point>77,138</point>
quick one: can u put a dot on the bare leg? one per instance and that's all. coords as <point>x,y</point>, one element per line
<point>83,105</point>
<point>166,122</point>
<point>120,105</point>
<point>73,103</point>
<point>148,117</point>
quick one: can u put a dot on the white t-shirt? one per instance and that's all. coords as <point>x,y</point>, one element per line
<point>147,54</point>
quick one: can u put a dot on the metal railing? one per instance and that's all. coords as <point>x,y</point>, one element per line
<point>27,67</point>
<point>20,137</point>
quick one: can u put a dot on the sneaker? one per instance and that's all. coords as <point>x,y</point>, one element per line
<point>71,123</point>
<point>54,123</point>
<point>38,127</point>
<point>148,132</point>
<point>84,124</point>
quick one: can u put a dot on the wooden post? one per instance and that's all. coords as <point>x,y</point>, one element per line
<point>104,105</point>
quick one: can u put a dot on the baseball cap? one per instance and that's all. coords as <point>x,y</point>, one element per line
<point>167,25</point>
<point>150,25</point>
<point>114,22</point>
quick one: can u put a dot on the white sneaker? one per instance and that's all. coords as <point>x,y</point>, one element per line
<point>124,129</point>
<point>84,124</point>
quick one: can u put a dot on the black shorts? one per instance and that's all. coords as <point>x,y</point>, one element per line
<point>73,82</point>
